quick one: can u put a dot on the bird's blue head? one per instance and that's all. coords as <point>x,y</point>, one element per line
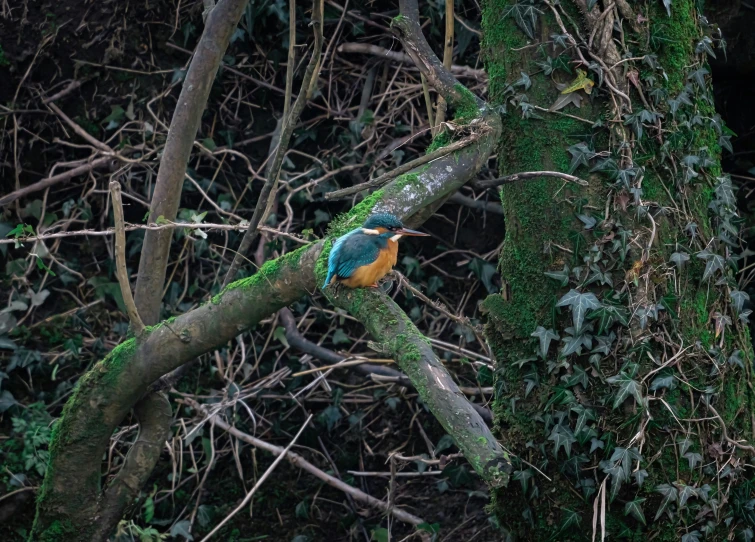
<point>388,226</point>
<point>383,221</point>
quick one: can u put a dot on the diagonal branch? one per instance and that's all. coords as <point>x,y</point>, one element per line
<point>389,326</point>
<point>120,259</point>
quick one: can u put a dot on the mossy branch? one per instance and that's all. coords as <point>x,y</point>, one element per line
<point>389,326</point>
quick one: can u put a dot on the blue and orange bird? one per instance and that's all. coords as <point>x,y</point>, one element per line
<point>363,256</point>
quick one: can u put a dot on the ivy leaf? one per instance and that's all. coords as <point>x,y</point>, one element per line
<point>523,81</point>
<point>714,263</point>
<point>561,276</point>
<point>584,415</point>
<point>578,377</point>
<point>685,493</point>
<point>608,166</point>
<point>705,46</point>
<point>698,76</point>
<point>580,153</point>
<point>736,359</point>
<point>679,258</point>
<point>693,458</point>
<point>588,221</point>
<point>692,536</point>
<point>608,315</point>
<point>545,337</point>
<point>668,382</point>
<point>639,476</point>
<point>634,509</point>
<point>627,387</point>
<point>525,16</point>
<point>563,438</point>
<point>579,304</point>
<point>182,528</point>
<point>670,494</point>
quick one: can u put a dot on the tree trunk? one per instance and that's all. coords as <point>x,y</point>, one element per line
<point>624,358</point>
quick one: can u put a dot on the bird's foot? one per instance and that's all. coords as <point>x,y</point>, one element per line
<point>374,285</point>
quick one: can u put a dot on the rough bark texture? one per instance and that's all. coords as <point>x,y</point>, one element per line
<point>541,399</point>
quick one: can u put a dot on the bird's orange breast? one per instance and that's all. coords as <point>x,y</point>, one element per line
<point>369,274</point>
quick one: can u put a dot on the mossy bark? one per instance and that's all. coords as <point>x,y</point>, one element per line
<point>543,233</point>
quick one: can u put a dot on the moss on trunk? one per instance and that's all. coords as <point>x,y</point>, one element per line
<point>631,402</point>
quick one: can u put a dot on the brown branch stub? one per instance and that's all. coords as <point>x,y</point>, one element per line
<point>120,259</point>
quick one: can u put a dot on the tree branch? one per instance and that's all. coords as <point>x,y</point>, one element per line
<point>298,461</point>
<point>404,168</point>
<point>221,23</point>
<point>390,327</point>
<point>155,416</point>
<point>298,341</point>
<point>120,259</point>
<point>515,177</point>
<point>397,56</point>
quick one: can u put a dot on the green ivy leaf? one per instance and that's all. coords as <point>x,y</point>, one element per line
<point>562,437</point>
<point>561,276</point>
<point>608,315</point>
<point>627,387</point>
<point>670,494</point>
<point>634,509</point>
<point>380,534</point>
<point>545,336</point>
<point>579,304</point>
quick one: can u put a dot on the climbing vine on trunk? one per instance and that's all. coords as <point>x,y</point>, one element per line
<point>624,383</point>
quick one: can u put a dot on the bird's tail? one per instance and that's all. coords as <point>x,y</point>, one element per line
<point>328,279</point>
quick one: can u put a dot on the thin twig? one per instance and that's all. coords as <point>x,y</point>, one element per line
<point>299,461</point>
<point>269,190</point>
<point>514,177</point>
<point>120,259</point>
<point>259,483</point>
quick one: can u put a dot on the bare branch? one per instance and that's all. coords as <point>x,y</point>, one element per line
<point>184,125</point>
<point>283,454</point>
<point>55,179</point>
<point>120,259</point>
<point>298,461</point>
<point>376,50</point>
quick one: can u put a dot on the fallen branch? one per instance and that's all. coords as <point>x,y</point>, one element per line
<point>298,461</point>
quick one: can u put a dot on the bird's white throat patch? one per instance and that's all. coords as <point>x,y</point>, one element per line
<point>396,237</point>
<point>368,231</point>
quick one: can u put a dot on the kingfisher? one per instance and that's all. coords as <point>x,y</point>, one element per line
<point>365,255</point>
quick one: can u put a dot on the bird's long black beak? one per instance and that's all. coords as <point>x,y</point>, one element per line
<point>412,233</point>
